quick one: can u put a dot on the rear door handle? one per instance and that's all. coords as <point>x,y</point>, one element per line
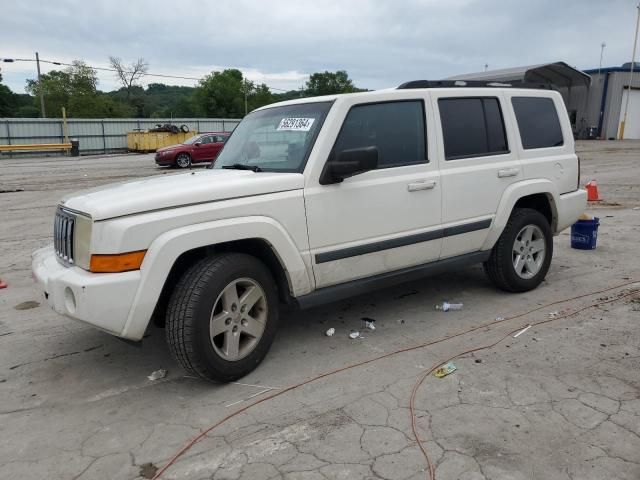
<point>426,185</point>
<point>508,172</point>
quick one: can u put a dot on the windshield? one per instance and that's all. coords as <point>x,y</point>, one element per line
<point>192,140</point>
<point>276,139</point>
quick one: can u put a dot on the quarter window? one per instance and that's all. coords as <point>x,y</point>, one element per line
<point>396,129</point>
<point>472,127</point>
<point>538,122</point>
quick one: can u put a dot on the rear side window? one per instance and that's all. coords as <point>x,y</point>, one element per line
<point>538,122</point>
<point>472,127</point>
<point>397,129</point>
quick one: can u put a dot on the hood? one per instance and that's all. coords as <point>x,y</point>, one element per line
<point>171,191</point>
<point>170,147</point>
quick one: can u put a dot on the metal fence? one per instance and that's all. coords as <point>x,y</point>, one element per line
<point>99,135</point>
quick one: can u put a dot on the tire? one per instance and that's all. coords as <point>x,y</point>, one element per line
<point>184,128</point>
<point>521,257</point>
<point>183,160</point>
<point>199,303</point>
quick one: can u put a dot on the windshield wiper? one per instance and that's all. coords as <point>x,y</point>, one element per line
<point>242,166</point>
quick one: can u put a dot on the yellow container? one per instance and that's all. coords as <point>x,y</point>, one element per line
<point>151,141</point>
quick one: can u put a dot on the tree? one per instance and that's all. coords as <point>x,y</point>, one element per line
<point>26,111</point>
<point>79,81</point>
<point>329,83</point>
<point>75,88</point>
<point>129,74</point>
<point>222,94</point>
<point>6,100</point>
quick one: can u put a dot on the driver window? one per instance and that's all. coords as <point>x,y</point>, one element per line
<point>396,129</point>
<point>205,140</point>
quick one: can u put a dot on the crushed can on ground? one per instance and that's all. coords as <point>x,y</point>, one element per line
<point>446,369</point>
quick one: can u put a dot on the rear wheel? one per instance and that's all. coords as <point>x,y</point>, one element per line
<point>521,257</point>
<point>223,316</point>
<point>183,160</point>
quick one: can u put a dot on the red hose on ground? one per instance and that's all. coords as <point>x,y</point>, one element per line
<point>421,378</point>
<point>426,373</point>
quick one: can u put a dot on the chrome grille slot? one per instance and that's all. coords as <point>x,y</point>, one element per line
<point>63,235</point>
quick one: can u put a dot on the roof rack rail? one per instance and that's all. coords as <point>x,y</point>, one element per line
<point>471,84</point>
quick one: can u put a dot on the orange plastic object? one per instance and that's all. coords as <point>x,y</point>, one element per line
<point>592,191</point>
<point>122,262</point>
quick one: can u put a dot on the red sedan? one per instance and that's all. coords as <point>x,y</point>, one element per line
<point>203,147</point>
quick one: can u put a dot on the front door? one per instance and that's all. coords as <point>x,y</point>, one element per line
<point>385,219</point>
<point>205,150</point>
<point>216,146</point>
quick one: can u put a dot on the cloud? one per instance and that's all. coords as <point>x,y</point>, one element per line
<point>280,42</point>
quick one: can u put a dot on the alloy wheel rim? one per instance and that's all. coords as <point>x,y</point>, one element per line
<point>183,161</point>
<point>529,251</point>
<point>238,319</point>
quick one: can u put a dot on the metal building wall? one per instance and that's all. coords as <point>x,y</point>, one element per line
<point>586,102</point>
<point>617,82</point>
<point>97,135</point>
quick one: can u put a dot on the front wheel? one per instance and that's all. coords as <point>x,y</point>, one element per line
<point>521,257</point>
<point>183,160</point>
<point>222,317</point>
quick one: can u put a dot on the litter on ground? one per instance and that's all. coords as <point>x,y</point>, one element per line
<point>446,369</point>
<point>369,323</point>
<point>446,306</point>
<point>522,331</point>
<point>158,374</point>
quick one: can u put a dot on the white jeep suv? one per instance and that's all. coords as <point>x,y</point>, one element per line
<point>315,200</point>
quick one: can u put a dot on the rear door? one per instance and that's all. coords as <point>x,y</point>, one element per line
<point>478,164</point>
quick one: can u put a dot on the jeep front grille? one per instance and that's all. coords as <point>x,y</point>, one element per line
<point>63,235</point>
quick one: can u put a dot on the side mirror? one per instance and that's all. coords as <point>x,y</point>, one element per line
<point>349,163</point>
<point>197,144</point>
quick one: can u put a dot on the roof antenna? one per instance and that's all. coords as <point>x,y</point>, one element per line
<point>486,66</point>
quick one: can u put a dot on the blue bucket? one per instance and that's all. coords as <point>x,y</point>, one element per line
<point>584,234</point>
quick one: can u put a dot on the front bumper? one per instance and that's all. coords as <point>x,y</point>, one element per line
<point>99,299</point>
<point>167,159</point>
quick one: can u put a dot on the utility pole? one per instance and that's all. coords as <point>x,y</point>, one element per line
<point>633,59</point>
<point>44,115</point>
<point>245,97</point>
<point>601,54</point>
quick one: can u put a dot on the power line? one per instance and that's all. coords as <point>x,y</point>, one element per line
<point>106,69</point>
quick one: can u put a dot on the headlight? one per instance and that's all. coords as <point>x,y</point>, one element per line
<point>82,241</point>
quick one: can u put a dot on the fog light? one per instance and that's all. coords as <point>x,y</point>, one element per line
<point>69,300</point>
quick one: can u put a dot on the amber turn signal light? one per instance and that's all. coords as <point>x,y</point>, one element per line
<point>121,262</point>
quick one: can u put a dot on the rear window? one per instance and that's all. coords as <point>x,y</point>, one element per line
<point>472,127</point>
<point>538,122</point>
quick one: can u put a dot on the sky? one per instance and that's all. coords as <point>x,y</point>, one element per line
<point>379,43</point>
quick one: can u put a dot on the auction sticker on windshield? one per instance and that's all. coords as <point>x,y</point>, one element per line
<point>296,124</point>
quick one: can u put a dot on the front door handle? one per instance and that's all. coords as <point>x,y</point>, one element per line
<point>426,185</point>
<point>508,172</point>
